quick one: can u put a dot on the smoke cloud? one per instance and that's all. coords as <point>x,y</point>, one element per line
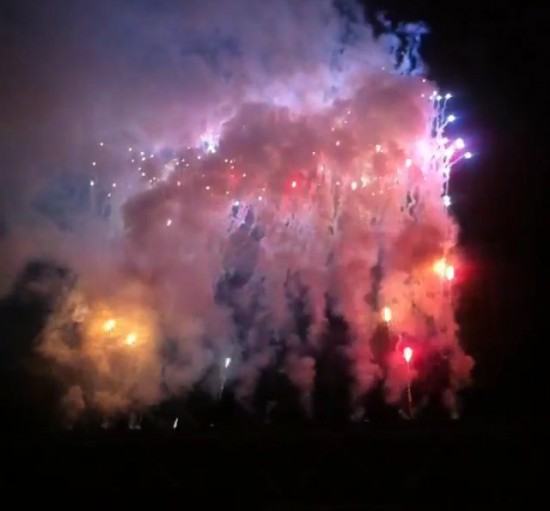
<point>218,175</point>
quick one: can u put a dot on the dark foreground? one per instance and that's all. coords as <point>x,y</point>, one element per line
<point>407,466</point>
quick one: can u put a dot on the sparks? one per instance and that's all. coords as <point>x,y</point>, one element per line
<point>210,143</point>
<point>440,267</point>
<point>131,339</point>
<point>324,189</point>
<point>444,270</point>
<point>109,325</point>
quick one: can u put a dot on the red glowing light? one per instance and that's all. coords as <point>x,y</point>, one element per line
<point>407,354</point>
<point>294,184</point>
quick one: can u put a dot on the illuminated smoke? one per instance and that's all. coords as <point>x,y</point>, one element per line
<point>322,158</point>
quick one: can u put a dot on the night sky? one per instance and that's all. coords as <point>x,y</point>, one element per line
<point>492,56</point>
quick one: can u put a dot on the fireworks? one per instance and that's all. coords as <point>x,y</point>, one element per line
<point>131,339</point>
<point>109,325</point>
<point>444,270</point>
<point>284,201</point>
<point>407,354</point>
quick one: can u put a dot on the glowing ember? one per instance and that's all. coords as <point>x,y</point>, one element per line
<point>444,270</point>
<point>109,325</point>
<point>440,267</point>
<point>131,339</point>
<point>449,273</point>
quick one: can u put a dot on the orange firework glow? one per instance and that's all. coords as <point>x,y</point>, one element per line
<point>109,325</point>
<point>131,339</point>
<point>118,324</point>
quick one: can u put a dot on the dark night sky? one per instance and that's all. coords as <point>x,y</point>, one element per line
<point>492,56</point>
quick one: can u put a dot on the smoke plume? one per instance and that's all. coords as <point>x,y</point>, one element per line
<point>218,174</point>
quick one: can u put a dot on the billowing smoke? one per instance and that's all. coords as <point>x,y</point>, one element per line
<point>256,165</point>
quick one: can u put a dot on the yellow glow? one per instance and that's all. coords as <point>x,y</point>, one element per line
<point>440,267</point>
<point>131,339</point>
<point>109,325</point>
<point>119,328</point>
<point>386,314</point>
